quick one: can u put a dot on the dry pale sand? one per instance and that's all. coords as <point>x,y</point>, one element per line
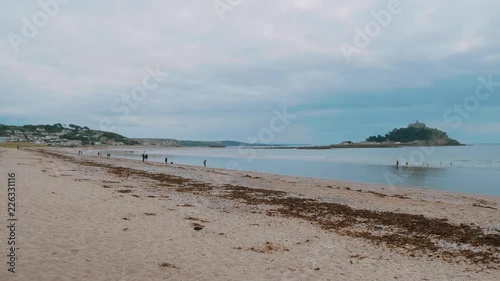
<point>89,218</point>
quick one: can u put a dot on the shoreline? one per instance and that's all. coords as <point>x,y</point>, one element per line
<point>357,221</point>
<point>374,188</point>
<point>395,174</point>
<point>318,182</point>
<point>302,185</point>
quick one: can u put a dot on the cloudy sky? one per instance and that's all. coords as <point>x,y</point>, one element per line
<point>344,69</point>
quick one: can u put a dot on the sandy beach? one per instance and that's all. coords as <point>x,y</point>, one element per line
<point>93,218</point>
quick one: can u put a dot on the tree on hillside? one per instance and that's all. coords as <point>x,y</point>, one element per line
<point>378,138</point>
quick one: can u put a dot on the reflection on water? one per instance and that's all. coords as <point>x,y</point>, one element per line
<point>474,169</point>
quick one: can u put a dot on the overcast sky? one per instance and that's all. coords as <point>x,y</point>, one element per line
<point>232,64</point>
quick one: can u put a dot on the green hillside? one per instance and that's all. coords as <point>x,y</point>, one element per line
<point>58,134</point>
<point>416,133</point>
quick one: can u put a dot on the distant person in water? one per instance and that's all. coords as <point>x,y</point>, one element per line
<point>406,163</point>
<point>397,163</point>
<point>205,163</point>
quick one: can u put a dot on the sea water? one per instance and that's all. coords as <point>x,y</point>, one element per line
<point>469,169</point>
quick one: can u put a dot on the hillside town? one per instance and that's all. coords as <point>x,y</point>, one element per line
<point>58,135</point>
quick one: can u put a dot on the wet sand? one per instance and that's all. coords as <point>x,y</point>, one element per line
<point>90,218</point>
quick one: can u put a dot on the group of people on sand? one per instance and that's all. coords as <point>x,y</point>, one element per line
<point>108,155</point>
<point>145,159</point>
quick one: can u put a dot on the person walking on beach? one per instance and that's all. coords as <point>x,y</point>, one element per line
<point>143,157</point>
<point>146,157</point>
<point>204,163</point>
<point>166,160</point>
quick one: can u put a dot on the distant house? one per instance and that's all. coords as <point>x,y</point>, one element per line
<point>417,125</point>
<point>71,143</point>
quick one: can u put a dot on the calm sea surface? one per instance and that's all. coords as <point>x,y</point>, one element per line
<point>470,169</point>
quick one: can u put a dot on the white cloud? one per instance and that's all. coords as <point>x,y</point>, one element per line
<point>262,54</point>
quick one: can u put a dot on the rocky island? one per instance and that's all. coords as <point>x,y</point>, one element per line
<point>416,134</point>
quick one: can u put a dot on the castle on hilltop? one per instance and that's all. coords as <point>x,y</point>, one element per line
<point>417,125</point>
